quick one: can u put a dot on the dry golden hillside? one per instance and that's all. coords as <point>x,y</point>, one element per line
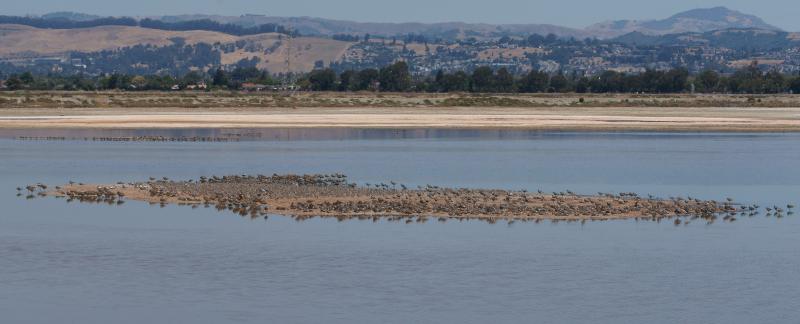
<point>304,52</point>
<point>24,41</point>
<point>16,39</point>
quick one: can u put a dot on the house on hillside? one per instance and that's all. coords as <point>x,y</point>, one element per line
<point>199,86</point>
<point>249,86</point>
<point>287,87</point>
<point>3,85</point>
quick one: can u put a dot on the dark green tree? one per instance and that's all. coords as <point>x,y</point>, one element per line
<point>482,80</point>
<point>708,81</point>
<point>503,81</point>
<point>438,80</point>
<point>747,80</point>
<point>534,81</point>
<point>559,83</point>
<point>220,78</point>
<point>794,85</point>
<point>583,85</point>
<point>246,74</point>
<point>348,80</point>
<point>456,82</point>
<point>366,78</point>
<point>27,78</point>
<point>674,81</point>
<point>193,77</point>
<point>15,83</point>
<point>395,77</point>
<point>322,80</point>
<point>774,82</point>
<point>608,82</point>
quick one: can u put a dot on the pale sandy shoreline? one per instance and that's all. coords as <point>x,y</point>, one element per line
<point>726,119</point>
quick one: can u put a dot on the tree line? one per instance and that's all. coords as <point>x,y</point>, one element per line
<point>210,25</point>
<point>216,79</point>
<point>397,78</point>
<point>199,24</point>
<point>66,23</point>
<point>749,80</point>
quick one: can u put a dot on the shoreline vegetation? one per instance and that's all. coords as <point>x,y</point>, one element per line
<point>307,196</point>
<point>547,112</point>
<point>245,99</point>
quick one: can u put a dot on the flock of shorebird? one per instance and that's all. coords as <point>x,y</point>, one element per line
<point>307,196</point>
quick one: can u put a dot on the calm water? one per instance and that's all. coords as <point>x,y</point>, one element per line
<point>77,263</point>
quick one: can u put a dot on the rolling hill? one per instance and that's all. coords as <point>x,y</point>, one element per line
<point>692,21</point>
<point>25,41</point>
<point>17,41</point>
<point>447,30</point>
<point>695,21</point>
<point>734,38</point>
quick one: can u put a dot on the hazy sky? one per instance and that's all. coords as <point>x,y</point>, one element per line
<point>572,13</point>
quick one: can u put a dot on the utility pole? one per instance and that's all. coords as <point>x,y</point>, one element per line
<point>288,80</point>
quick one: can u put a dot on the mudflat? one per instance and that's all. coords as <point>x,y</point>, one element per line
<point>304,196</point>
<point>533,118</point>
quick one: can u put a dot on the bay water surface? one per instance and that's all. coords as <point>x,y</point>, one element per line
<point>136,263</point>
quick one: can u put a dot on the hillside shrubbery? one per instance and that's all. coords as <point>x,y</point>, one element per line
<point>202,24</point>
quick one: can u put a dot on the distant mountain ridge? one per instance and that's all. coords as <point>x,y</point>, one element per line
<point>692,21</point>
<point>448,30</point>
<point>733,38</point>
<point>68,15</point>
